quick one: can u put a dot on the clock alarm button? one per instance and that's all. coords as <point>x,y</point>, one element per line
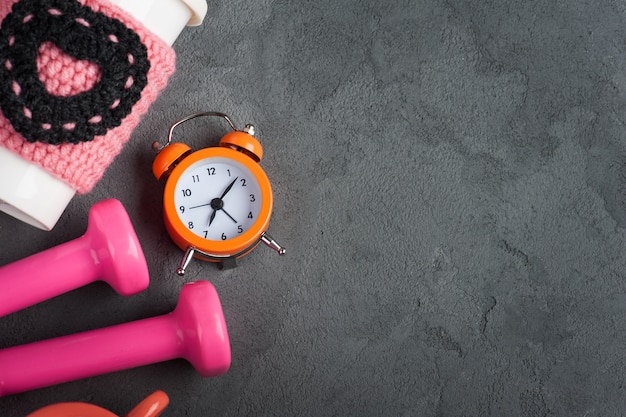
<point>244,142</point>
<point>167,158</point>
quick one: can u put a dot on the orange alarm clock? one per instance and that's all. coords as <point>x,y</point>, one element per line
<point>217,201</point>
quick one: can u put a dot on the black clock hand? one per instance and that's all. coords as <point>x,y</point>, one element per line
<point>225,192</point>
<point>218,204</point>
<point>212,217</point>
<point>231,217</point>
<point>201,205</point>
<point>228,188</point>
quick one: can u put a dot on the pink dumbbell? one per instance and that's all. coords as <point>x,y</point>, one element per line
<point>108,251</point>
<point>195,331</point>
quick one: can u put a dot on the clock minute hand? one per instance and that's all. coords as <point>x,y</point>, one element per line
<point>228,188</point>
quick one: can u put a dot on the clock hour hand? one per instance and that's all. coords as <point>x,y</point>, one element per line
<point>212,217</point>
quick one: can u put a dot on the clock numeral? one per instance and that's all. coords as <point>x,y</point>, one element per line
<point>182,209</point>
<point>211,171</point>
<point>243,182</point>
<point>250,216</point>
<point>223,236</point>
<point>252,197</point>
<point>228,172</point>
<point>186,192</point>
<point>195,178</point>
<point>190,224</point>
<point>206,233</point>
<point>239,229</point>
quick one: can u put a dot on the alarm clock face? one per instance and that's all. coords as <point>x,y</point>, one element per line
<point>217,198</point>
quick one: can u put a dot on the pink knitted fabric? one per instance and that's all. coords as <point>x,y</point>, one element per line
<point>81,165</point>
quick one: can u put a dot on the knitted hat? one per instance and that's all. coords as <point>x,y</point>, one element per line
<point>75,78</point>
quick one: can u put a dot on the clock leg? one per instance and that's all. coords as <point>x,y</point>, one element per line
<point>269,241</point>
<point>184,263</point>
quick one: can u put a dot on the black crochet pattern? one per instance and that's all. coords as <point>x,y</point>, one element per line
<point>82,34</point>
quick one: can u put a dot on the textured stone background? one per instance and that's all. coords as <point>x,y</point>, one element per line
<point>448,181</point>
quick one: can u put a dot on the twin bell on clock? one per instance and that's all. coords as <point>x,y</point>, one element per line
<point>217,201</point>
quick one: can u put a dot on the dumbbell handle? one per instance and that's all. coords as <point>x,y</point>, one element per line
<point>45,275</point>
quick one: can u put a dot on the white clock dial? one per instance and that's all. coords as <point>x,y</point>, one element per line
<point>218,198</point>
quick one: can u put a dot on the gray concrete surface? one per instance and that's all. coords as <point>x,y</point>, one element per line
<point>448,183</point>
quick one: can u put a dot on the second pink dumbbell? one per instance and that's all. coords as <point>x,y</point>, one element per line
<point>195,330</point>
